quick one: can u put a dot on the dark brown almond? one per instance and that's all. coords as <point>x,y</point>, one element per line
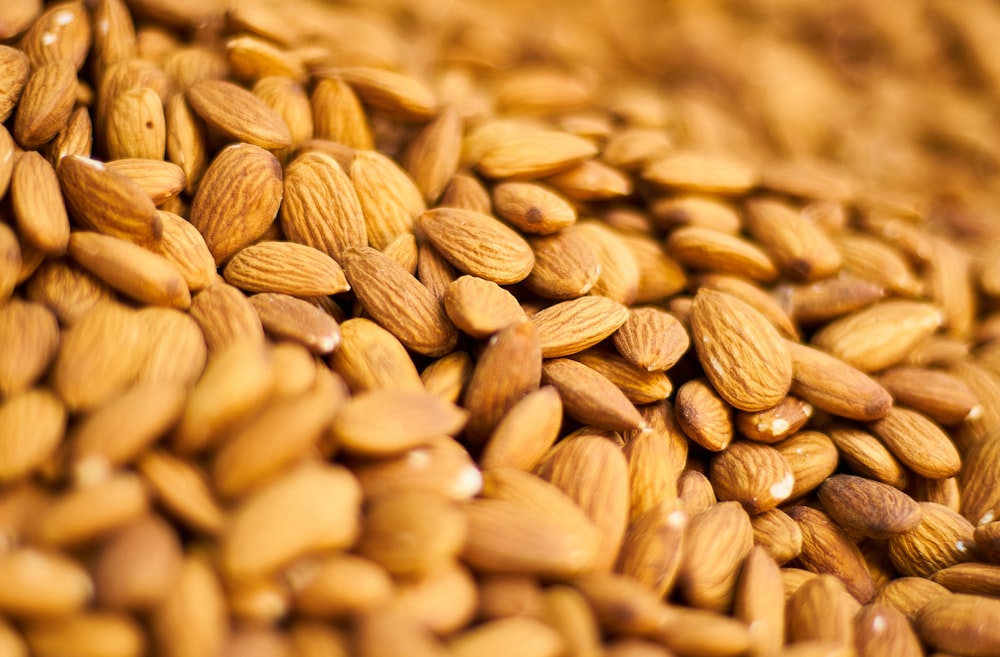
<point>289,318</point>
<point>869,508</point>
<point>832,385</point>
<point>827,549</point>
<point>589,396</point>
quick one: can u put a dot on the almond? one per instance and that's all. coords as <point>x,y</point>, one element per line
<point>834,386</point>
<point>703,415</point>
<point>868,507</point>
<point>238,114</point>
<point>45,104</point>
<point>589,396</point>
<point>403,420</point>
<point>285,268</point>
<point>38,204</point>
<point>942,538</point>
<point>369,358</point>
<point>755,475</point>
<point>478,244</point>
<point>570,327</point>
<point>652,339</point>
<point>566,266</point>
<point>963,624</point>
<point>717,541</point>
<point>919,443</point>
<point>29,334</point>
<point>826,549</point>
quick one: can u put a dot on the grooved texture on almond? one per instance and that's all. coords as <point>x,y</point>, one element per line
<point>742,354</point>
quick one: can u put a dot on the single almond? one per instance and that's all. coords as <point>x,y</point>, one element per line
<point>812,456</point>
<point>821,610</point>
<point>285,268</point>
<point>707,249</point>
<point>962,624</point>
<point>570,327</point>
<point>826,549</point>
<point>909,594</point>
<point>237,200</point>
<point>566,266</point>
<point>185,248</point>
<point>532,207</point>
<point>46,103</point>
<point>238,114</point>
<point>692,171</point>
<point>370,357</point>
<point>136,126</point>
<point>225,317</point>
<point>16,69</point>
<point>390,200</point>
<point>868,507</point>
<point>479,307</point>
<point>717,541</point>
<point>942,538</point>
<point>775,424</point>
<point>589,396</point>
<point>653,547</point>
<point>918,443</point>
<point>755,475</point>
<point>338,115</point>
<point>651,339</point>
<point>432,158</point>
<point>38,204</point>
<point>868,456</point>
<point>286,317</point>
<point>192,620</point>
<point>759,602</point>
<point>741,352</point>
<point>161,180</point>
<point>31,423</point>
<point>39,583</point>
<point>183,491</point>
<point>89,512</point>
<point>29,334</point>
<point>526,432</point>
<point>386,421</point>
<point>778,534</point>
<point>941,396</point>
<point>67,289</point>
<point>798,247</point>
<point>703,415</point>
<point>532,153</point>
<point>620,275</point>
<point>830,384</point>
<point>478,244</point>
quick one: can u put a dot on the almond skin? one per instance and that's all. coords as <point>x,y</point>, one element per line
<point>868,507</point>
<point>742,353</point>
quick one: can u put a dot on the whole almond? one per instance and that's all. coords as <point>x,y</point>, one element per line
<point>755,475</point>
<point>778,534</point>
<point>717,541</point>
<point>652,339</point>
<point>448,376</point>
<point>775,424</point>
<point>909,594</point>
<point>338,114</point>
<point>759,601</point>
<point>868,507</point>
<point>812,456</point>
<point>589,396</point>
<point>225,317</point>
<point>405,419</point>
<point>479,307</point>
<point>16,68</point>
<point>703,415</point>
<point>192,620</point>
<point>639,386</point>
<point>30,425</point>
<point>432,158</point>
<point>29,334</point>
<point>461,235</point>
<point>619,277</point>
<point>106,201</point>
<point>962,624</point>
<point>942,538</point>
<point>38,205</point>
<point>566,266</point>
<point>533,208</point>
<point>528,429</point>
<point>161,180</point>
<point>532,153</point>
<point>369,358</point>
<point>239,114</point>
<point>919,443</point>
<point>742,353</point>
<point>653,548</point>
<point>39,582</point>
<point>570,327</point>
<point>707,249</point>
<point>699,172</point>
<point>939,395</point>
<point>797,246</point>
<point>286,317</point>
<point>821,610</point>
<point>183,491</point>
<point>136,126</point>
<point>390,200</point>
<point>67,289</point>
<point>121,578</point>
<point>45,104</point>
<point>826,549</point>
<point>88,512</point>
<point>237,199</point>
<point>399,301</point>
<point>285,268</point>
<point>834,386</point>
<point>868,456</point>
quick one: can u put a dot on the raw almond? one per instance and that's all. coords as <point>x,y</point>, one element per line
<point>703,415</point>
<point>479,307</point>
<point>390,200</point>
<point>532,207</point>
<point>136,127</point>
<point>45,104</point>
<point>962,624</point>
<point>238,114</point>
<point>652,339</point>
<point>478,244</point>
<point>432,158</point>
<point>826,549</point>
<point>286,317</point>
<point>370,358</point>
<point>942,538</point>
<point>797,246</point>
<point>717,541</point>
<point>285,268</point>
<point>39,583</point>
<point>566,266</point>
<point>526,432</point>
<point>31,423</point>
<point>919,443</point>
<point>386,421</point>
<point>775,424</point>
<point>225,317</point>
<point>161,180</point>
<point>868,507</point>
<point>570,327</point>
<point>812,456</point>
<point>707,249</point>
<point>589,396</point>
<point>832,385</point>
<point>29,335</point>
<point>38,204</point>
<point>741,352</point>
<point>755,475</point>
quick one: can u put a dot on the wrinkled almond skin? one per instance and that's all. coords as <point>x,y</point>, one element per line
<point>741,352</point>
<point>868,507</point>
<point>757,476</point>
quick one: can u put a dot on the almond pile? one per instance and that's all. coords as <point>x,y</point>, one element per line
<point>474,329</point>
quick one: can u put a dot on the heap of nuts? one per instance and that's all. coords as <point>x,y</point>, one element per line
<point>481,328</point>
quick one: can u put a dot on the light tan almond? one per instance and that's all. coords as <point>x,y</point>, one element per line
<point>433,270</point>
<point>100,355</point>
<point>479,307</point>
<point>186,141</point>
<point>249,456</point>
<point>225,317</point>
<point>620,274</point>
<point>387,421</point>
<point>251,58</point>
<point>286,268</point>
<point>697,172</point>
<point>778,534</point>
<point>40,583</point>
<point>639,386</point>
<point>567,266</point>
<point>238,114</point>
<point>812,456</point>
<point>29,335</point>
<point>296,371</point>
<point>868,456</point>
<point>821,610</point>
<point>45,104</point>
<point>320,207</point>
<point>715,545</point>
<point>192,621</point>
<point>525,635</point>
<point>66,289</point>
<point>826,549</point>
<point>448,376</point>
<point>707,249</point>
<point>655,455</point>
<point>962,624</point>
<point>390,199</point>
<point>116,40</point>
<point>532,207</point>
<point>10,261</point>
<point>61,33</point>
<point>432,158</point>
<point>694,492</point>
<point>696,210</point>
<point>338,115</point>
<point>399,96</point>
<point>757,476</point>
<point>830,384</point>
<point>161,180</point>
<point>125,427</point>
<point>703,415</point>
<point>634,146</point>
<point>759,602</point>
<point>185,248</point>
<point>466,192</point>
<point>237,200</point>
<point>797,246</point>
<point>526,432</point>
<point>234,383</point>
<point>572,326</point>
<point>478,244</point>
<point>741,352</point>
<point>869,258</point>
<point>589,396</point>
<point>973,578</point>
<point>594,473</point>
<point>980,497</point>
<point>757,297</point>
<point>651,339</point>
<point>909,594</point>
<point>443,601</point>
<point>88,512</point>
<point>403,250</point>
<point>131,269</point>
<point>398,301</point>
<point>38,205</point>
<point>919,443</point>
<point>868,507</point>
<point>136,127</point>
<point>313,508</point>
<point>183,491</point>
<point>369,358</point>
<point>591,180</point>
<point>317,589</point>
<point>286,96</point>
<point>881,335</point>
<point>31,424</point>
<point>106,201</point>
<point>529,153</point>
<point>942,538</point>
<point>653,547</point>
<point>567,612</point>
<point>443,466</point>
<point>660,276</point>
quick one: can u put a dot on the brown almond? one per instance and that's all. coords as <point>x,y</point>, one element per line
<point>942,538</point>
<point>717,541</point>
<point>972,578</point>
<point>526,431</point>
<point>867,507</point>
<point>918,442</point>
<point>106,201</point>
<point>832,385</point>
<point>186,141</point>
<point>369,358</point>
<point>338,115</point>
<point>285,268</point>
<point>656,456</point>
<point>11,261</point>
<point>433,525</point>
<point>46,103</point>
<point>286,317</point>
<point>182,489</point>
<point>124,569</point>
<point>707,249</point>
<point>131,269</point>
<point>980,497</point>
<point>461,237</point>
<point>692,171</point>
<point>798,246</point>
<point>703,415</point>
<point>759,602</point>
<point>29,334</point>
<point>66,289</point>
<point>251,58</point>
<point>696,210</point>
<point>320,207</point>
<point>16,70</point>
<point>387,421</point>
<point>192,620</point>
<point>237,199</point>
<point>652,339</point>
<point>962,624</point>
<point>532,153</point>
<point>660,277</point>
<point>432,158</point>
<point>390,200</point>
<point>757,297</point>
<point>39,583</point>
<point>909,594</point>
<point>136,126</point>
<point>448,376</point>
<point>653,547</point>
<point>321,502</point>
<point>639,386</point>
<point>566,266</point>
<point>589,396</point>
<point>778,534</point>
<point>317,589</point>
<point>775,424</point>
<point>591,180</point>
<point>238,114</point>
<point>620,275</point>
<point>755,475</point>
<point>161,180</point>
<point>572,326</point>
<point>868,456</point>
<point>31,423</point>
<point>185,248</point>
<point>941,396</point>
<point>398,301</point>
<point>826,549</point>
<point>225,317</point>
<point>812,456</point>
<point>821,610</point>
<point>525,635</point>
<point>89,511</point>
<point>532,207</point>
<point>742,354</point>
<point>831,298</point>
<point>480,307</point>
